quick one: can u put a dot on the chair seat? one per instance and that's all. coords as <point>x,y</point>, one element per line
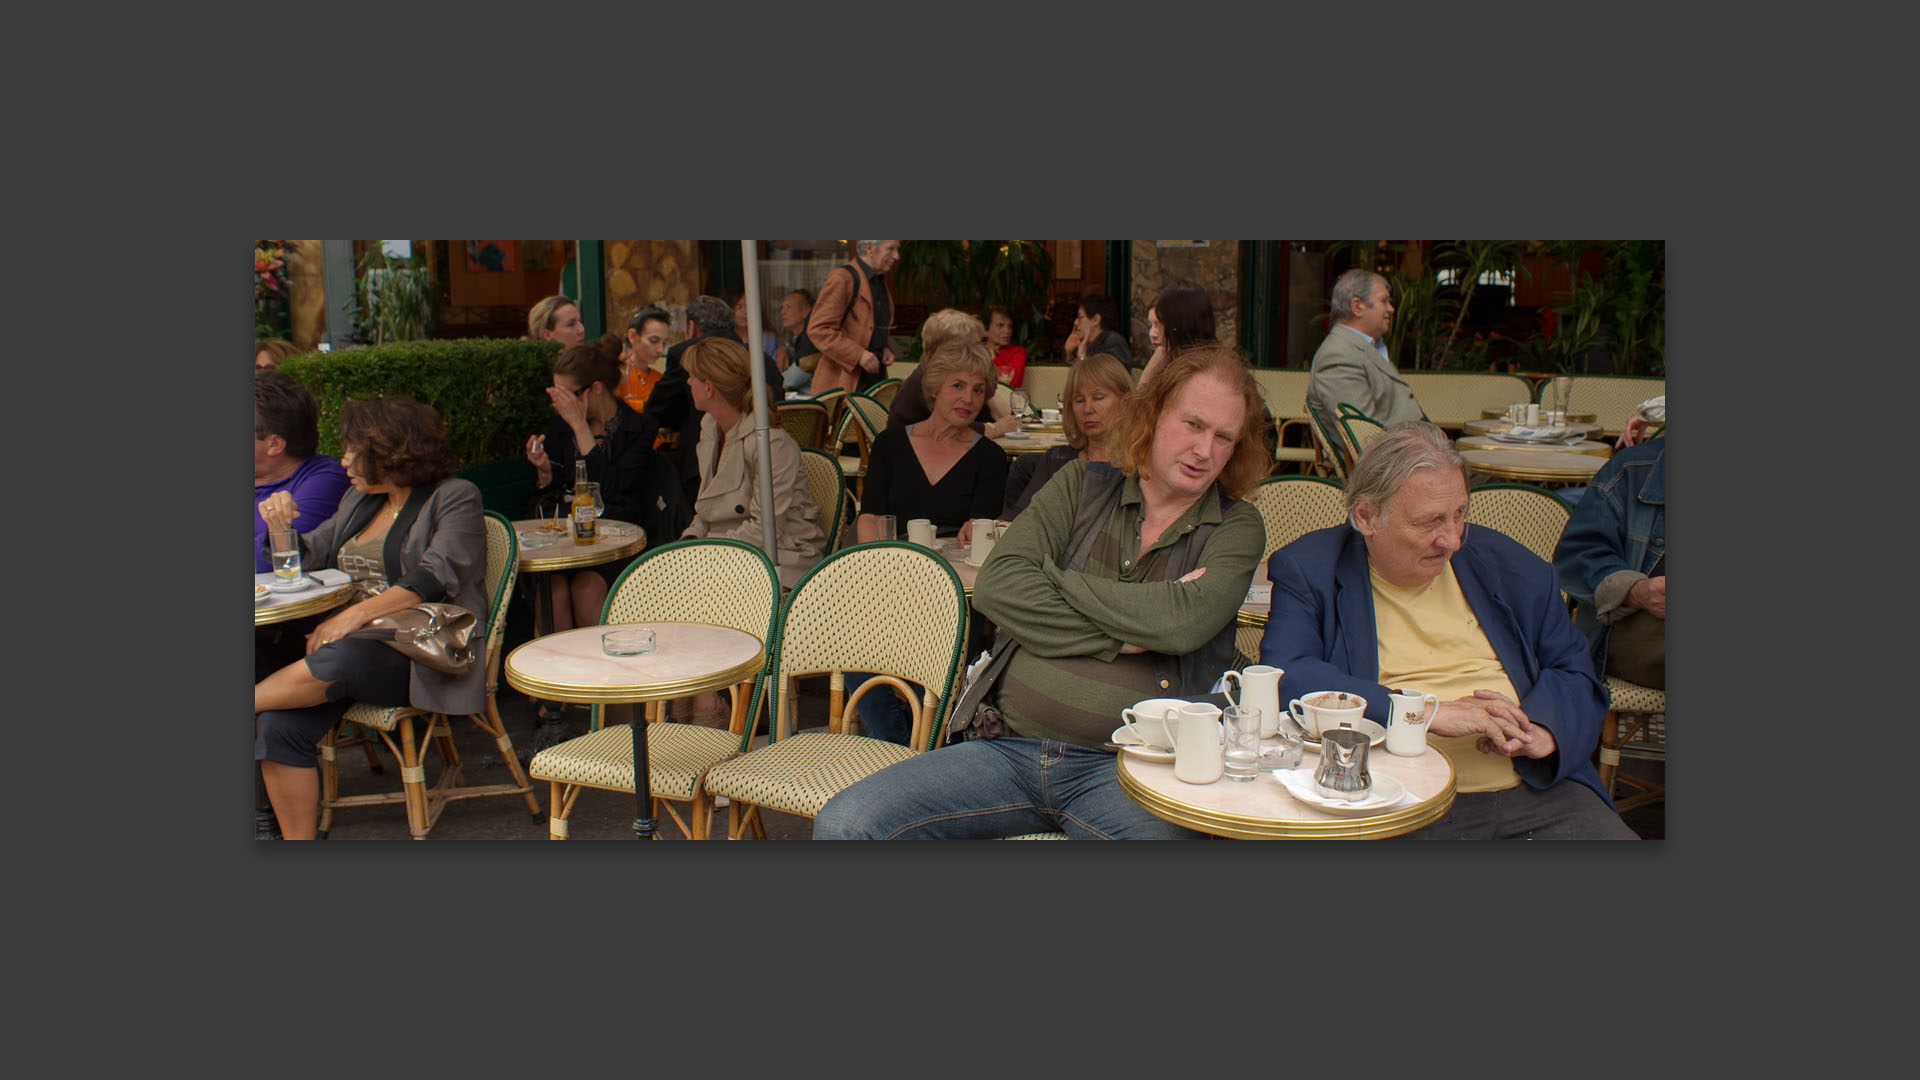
<point>677,756</point>
<point>379,717</point>
<point>797,775</point>
<point>850,466</point>
<point>1038,836</point>
<point>1632,697</point>
<point>1295,453</point>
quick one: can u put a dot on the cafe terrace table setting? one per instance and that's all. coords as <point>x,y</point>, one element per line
<point>1572,417</point>
<point>1580,446</point>
<point>1263,808</point>
<point>327,589</point>
<point>1033,437</point>
<point>1501,425</point>
<point>615,540</point>
<point>686,659</point>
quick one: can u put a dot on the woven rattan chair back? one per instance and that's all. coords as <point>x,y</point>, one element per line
<point>869,414</point>
<point>1292,506</point>
<point>722,582</point>
<point>828,487</point>
<point>1333,445</point>
<point>883,391</point>
<point>806,421</point>
<point>1611,399</point>
<point>1532,515</point>
<point>887,607</point>
<point>1359,430</point>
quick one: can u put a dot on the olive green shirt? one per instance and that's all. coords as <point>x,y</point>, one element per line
<point>1069,680</point>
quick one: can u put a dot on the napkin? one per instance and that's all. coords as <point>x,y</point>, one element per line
<point>1543,434</point>
<point>1260,593</point>
<point>1299,783</point>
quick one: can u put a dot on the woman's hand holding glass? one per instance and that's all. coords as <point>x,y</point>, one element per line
<point>537,457</point>
<point>278,510</point>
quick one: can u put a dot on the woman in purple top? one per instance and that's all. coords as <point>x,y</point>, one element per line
<point>286,428</point>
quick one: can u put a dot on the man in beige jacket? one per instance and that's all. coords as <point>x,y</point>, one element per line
<point>850,320</point>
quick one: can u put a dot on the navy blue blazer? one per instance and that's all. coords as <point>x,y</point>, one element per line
<point>1321,632</point>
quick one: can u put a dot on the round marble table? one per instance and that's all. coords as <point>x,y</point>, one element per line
<point>1584,446</point>
<point>1263,809</point>
<point>1543,467</point>
<point>687,658</point>
<point>569,555</point>
<point>333,589</point>
<point>1502,424</point>
<point>1032,439</point>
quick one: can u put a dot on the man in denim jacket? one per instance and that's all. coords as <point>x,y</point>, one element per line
<point>1612,560</point>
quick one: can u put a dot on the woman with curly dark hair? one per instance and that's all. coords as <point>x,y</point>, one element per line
<point>410,532</point>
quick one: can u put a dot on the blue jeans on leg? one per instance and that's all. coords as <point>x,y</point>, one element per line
<point>990,788</point>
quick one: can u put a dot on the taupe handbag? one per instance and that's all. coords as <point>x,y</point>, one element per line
<point>439,636</point>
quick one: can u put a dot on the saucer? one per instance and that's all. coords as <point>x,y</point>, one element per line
<point>1376,734</point>
<point>971,561</point>
<point>1131,744</point>
<point>260,593</point>
<point>1387,793</point>
<point>299,584</point>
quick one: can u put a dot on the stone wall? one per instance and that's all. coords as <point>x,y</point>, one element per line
<point>1215,268</point>
<point>642,272</point>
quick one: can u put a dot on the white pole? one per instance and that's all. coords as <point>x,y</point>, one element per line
<point>756,368</point>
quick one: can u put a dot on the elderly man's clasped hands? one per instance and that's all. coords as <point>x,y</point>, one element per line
<point>1503,727</point>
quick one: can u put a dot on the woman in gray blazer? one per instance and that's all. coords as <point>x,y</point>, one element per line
<point>410,533</point>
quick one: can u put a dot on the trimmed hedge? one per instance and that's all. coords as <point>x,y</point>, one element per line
<point>491,392</point>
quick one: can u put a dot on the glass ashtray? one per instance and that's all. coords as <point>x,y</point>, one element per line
<point>534,539</point>
<point>616,529</point>
<point>632,642</point>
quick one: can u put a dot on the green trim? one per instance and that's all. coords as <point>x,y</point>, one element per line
<point>1259,266</point>
<point>593,286</point>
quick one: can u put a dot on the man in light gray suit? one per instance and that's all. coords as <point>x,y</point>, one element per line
<point>1351,366</point>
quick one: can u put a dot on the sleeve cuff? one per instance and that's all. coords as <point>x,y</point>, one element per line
<point>1612,593</point>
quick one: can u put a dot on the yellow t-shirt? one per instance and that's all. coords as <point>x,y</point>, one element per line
<point>1431,642</point>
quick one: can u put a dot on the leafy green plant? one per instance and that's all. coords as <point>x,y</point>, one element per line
<point>1473,258</point>
<point>1636,271</point>
<point>970,274</point>
<point>272,314</point>
<point>491,392</point>
<point>394,299</point>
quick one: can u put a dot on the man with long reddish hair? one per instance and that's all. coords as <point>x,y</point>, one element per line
<point>1118,583</point>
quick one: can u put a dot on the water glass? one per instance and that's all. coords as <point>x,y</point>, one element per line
<point>1243,742</point>
<point>1018,399</point>
<point>889,527</point>
<point>284,545</point>
<point>1562,392</point>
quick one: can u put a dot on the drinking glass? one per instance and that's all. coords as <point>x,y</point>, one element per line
<point>285,548</point>
<point>1562,391</point>
<point>1243,741</point>
<point>1019,402</point>
<point>889,527</point>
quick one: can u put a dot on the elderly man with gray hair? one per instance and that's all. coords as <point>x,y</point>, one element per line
<point>851,318</point>
<point>1351,366</point>
<point>1404,595</point>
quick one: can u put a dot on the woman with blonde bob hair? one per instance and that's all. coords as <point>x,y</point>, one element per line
<point>1134,423</point>
<point>1095,387</point>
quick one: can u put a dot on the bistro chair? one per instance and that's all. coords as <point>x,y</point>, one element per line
<point>883,391</point>
<point>1332,446</point>
<point>722,582</point>
<point>861,423</point>
<point>424,804</point>
<point>834,401</point>
<point>806,421</point>
<point>828,489</point>
<point>1290,505</point>
<point>1359,430</point>
<point>1636,727</point>
<point>888,607</point>
<point>1532,515</point>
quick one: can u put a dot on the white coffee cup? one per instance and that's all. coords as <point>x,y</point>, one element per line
<point>1407,718</point>
<point>1199,743</point>
<point>1320,710</point>
<point>1152,720</point>
<point>920,531</point>
<point>985,531</point>
<point>1533,415</point>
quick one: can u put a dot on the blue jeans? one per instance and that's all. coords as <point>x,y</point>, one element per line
<point>990,788</point>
